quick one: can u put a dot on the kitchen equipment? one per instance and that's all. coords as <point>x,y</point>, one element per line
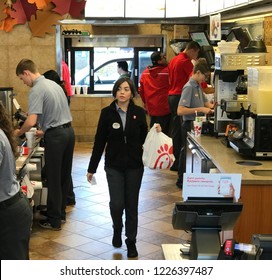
<point>238,61</point>
<point>225,90</point>
<point>255,46</point>
<point>228,47</point>
<point>257,139</point>
<point>260,89</point>
<point>6,97</point>
<point>230,84</point>
<point>238,134</point>
<point>232,108</point>
<point>242,85</point>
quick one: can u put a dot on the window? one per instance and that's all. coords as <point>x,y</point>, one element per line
<point>104,74</point>
<point>82,67</point>
<point>93,60</point>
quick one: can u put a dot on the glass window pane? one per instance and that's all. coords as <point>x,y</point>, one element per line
<point>82,68</point>
<point>143,61</point>
<point>105,66</point>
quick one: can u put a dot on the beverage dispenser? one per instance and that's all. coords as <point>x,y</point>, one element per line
<point>229,75</point>
<point>260,89</point>
<point>257,136</point>
<point>6,97</point>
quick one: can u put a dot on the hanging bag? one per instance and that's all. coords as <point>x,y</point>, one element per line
<point>158,150</point>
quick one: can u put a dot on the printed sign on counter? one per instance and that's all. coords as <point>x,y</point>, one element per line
<point>211,185</point>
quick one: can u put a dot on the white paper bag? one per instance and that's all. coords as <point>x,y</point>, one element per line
<point>158,150</point>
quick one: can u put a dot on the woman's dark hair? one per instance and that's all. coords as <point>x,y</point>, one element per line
<point>6,126</point>
<point>119,82</point>
<point>54,76</point>
<point>155,57</point>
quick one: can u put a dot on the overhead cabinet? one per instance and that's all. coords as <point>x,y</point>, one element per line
<point>141,9</point>
<point>229,3</point>
<point>144,9</point>
<point>104,9</point>
<point>210,6</point>
<point>238,2</point>
<point>127,9</point>
<point>177,8</point>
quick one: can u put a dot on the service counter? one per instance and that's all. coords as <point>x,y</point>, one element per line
<point>256,190</point>
<point>21,161</point>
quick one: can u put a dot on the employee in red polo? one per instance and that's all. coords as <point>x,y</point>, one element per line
<point>180,70</point>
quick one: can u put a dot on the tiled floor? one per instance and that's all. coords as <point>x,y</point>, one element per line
<point>87,234</point>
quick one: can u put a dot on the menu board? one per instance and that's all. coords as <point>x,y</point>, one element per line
<point>145,9</point>
<point>104,9</point>
<point>177,8</point>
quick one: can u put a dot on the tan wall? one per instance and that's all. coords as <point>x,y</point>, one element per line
<point>19,44</point>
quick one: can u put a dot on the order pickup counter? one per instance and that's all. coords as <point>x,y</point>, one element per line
<point>256,187</point>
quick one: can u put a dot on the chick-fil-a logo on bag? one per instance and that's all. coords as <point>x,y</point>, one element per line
<point>164,160</point>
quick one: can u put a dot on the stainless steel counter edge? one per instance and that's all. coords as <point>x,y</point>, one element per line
<point>225,159</point>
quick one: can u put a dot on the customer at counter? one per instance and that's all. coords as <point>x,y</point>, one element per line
<point>192,101</point>
<point>15,210</point>
<point>47,104</point>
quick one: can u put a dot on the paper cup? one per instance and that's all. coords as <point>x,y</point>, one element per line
<point>78,88</point>
<point>74,89</point>
<point>85,89</point>
<point>34,130</point>
<point>197,128</point>
<point>30,139</point>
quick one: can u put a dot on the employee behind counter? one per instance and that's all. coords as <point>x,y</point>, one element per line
<point>192,101</point>
<point>15,211</point>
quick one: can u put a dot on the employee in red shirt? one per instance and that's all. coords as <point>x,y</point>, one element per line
<point>180,70</point>
<point>154,87</point>
<point>67,80</point>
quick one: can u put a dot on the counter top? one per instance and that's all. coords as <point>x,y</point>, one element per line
<point>21,161</point>
<point>225,159</point>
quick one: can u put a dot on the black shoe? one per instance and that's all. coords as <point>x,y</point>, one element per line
<point>179,184</point>
<point>117,238</point>
<point>44,213</point>
<point>46,224</point>
<point>70,202</point>
<point>131,249</point>
<point>174,166</point>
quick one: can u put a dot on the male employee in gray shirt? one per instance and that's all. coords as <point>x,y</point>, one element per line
<point>48,106</point>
